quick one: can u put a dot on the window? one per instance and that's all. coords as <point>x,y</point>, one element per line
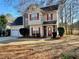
<point>36,30</point>
<point>49,16</point>
<point>34,16</point>
<point>37,16</point>
<point>30,17</point>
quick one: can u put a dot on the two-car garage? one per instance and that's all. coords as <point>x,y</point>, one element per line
<point>16,26</point>
<point>15,33</point>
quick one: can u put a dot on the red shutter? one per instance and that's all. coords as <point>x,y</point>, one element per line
<point>47,16</point>
<point>37,16</point>
<point>51,16</point>
<point>30,16</point>
<point>32,30</point>
<point>27,16</point>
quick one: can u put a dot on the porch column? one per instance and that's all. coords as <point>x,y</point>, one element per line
<point>41,31</point>
<point>30,31</point>
<point>47,31</point>
<point>57,23</point>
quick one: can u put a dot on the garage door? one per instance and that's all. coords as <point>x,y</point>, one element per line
<point>15,33</point>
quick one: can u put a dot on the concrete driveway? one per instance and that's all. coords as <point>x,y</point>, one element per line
<point>4,40</point>
<point>7,39</point>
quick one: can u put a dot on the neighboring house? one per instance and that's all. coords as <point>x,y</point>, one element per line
<point>16,25</point>
<point>42,21</point>
<point>9,20</point>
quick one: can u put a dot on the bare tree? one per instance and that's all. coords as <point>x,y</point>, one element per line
<point>21,5</point>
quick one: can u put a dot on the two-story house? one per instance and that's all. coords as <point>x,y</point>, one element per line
<point>41,21</point>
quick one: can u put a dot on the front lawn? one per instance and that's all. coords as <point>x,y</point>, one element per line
<point>52,49</point>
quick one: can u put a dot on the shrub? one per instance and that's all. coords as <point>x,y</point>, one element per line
<point>68,56</point>
<point>24,32</point>
<point>61,31</point>
<point>54,34</point>
<point>65,56</point>
<point>0,33</point>
<point>3,32</point>
<point>38,35</point>
<point>8,32</point>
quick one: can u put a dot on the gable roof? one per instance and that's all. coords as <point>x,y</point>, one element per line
<point>18,21</point>
<point>50,8</point>
<point>31,6</point>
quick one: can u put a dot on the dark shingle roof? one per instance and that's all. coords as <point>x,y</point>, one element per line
<point>49,8</point>
<point>18,21</point>
<point>50,22</point>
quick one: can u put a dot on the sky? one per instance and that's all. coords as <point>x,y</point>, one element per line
<point>7,9</point>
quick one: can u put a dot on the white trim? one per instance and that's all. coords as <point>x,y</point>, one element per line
<point>30,31</point>
<point>41,31</point>
<point>57,22</point>
<point>23,20</point>
<point>47,31</point>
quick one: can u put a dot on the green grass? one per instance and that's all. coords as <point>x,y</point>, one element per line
<point>65,56</point>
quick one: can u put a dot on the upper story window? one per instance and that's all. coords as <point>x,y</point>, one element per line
<point>34,16</point>
<point>49,16</point>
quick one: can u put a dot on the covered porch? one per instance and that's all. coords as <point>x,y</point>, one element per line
<point>44,30</point>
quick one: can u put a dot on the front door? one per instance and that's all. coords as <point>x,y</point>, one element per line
<point>49,31</point>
